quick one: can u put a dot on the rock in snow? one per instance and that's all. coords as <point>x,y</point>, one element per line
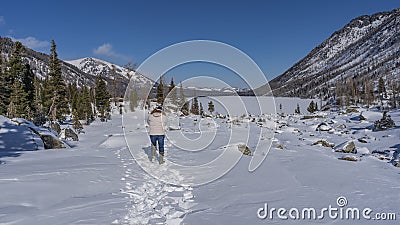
<point>324,127</point>
<point>22,135</point>
<point>347,147</point>
<point>245,149</point>
<point>68,134</point>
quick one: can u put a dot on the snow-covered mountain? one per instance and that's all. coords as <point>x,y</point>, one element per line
<point>368,46</point>
<point>84,71</point>
<point>106,69</point>
<point>110,71</point>
<point>39,63</point>
<point>80,71</point>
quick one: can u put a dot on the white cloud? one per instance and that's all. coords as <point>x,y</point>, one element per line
<point>107,50</point>
<point>2,21</point>
<point>32,42</point>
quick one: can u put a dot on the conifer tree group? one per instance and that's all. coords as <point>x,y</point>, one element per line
<point>24,95</point>
<point>102,98</point>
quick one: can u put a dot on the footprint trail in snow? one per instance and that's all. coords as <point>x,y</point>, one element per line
<point>152,201</point>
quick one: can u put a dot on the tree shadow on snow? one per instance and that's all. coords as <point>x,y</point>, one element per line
<point>15,139</point>
<point>8,154</point>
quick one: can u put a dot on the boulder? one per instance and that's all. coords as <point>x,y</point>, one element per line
<point>306,117</point>
<point>68,134</point>
<point>347,147</point>
<point>245,149</point>
<point>324,127</point>
<point>324,143</point>
<point>363,151</point>
<point>362,140</point>
<point>351,110</point>
<point>362,117</point>
<point>358,118</point>
<point>51,142</point>
<point>341,127</point>
<point>349,158</point>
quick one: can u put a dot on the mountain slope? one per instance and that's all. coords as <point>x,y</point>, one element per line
<point>39,63</point>
<point>80,72</point>
<point>368,46</point>
<point>109,71</point>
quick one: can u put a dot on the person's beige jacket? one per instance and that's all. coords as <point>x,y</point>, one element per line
<point>157,122</point>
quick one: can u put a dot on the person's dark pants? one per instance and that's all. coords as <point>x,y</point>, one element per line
<point>160,140</point>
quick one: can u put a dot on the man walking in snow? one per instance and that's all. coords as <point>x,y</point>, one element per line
<point>157,121</point>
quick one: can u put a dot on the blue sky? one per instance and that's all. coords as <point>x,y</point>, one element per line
<point>275,34</point>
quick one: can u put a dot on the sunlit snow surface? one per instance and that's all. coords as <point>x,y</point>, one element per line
<point>99,182</point>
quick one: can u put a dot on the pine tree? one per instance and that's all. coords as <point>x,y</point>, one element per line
<point>39,117</point>
<point>11,110</point>
<point>201,111</point>
<point>195,106</point>
<point>171,85</point>
<point>7,79</point>
<point>211,107</point>
<point>80,105</point>
<point>21,93</point>
<point>172,92</point>
<point>102,97</point>
<point>17,101</point>
<point>394,95</point>
<point>57,87</point>
<point>46,95</point>
<point>86,104</point>
<point>185,108</point>
<point>381,90</point>
<point>28,81</point>
<point>297,110</point>
<point>3,97</point>
<point>3,91</point>
<point>73,94</point>
<point>160,92</point>
<point>76,124</point>
<point>367,92</point>
<point>311,107</point>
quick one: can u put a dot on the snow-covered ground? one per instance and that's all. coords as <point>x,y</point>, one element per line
<point>101,180</point>
<point>79,185</point>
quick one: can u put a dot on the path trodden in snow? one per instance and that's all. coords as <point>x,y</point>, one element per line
<point>151,200</point>
<point>162,194</point>
<point>211,153</point>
